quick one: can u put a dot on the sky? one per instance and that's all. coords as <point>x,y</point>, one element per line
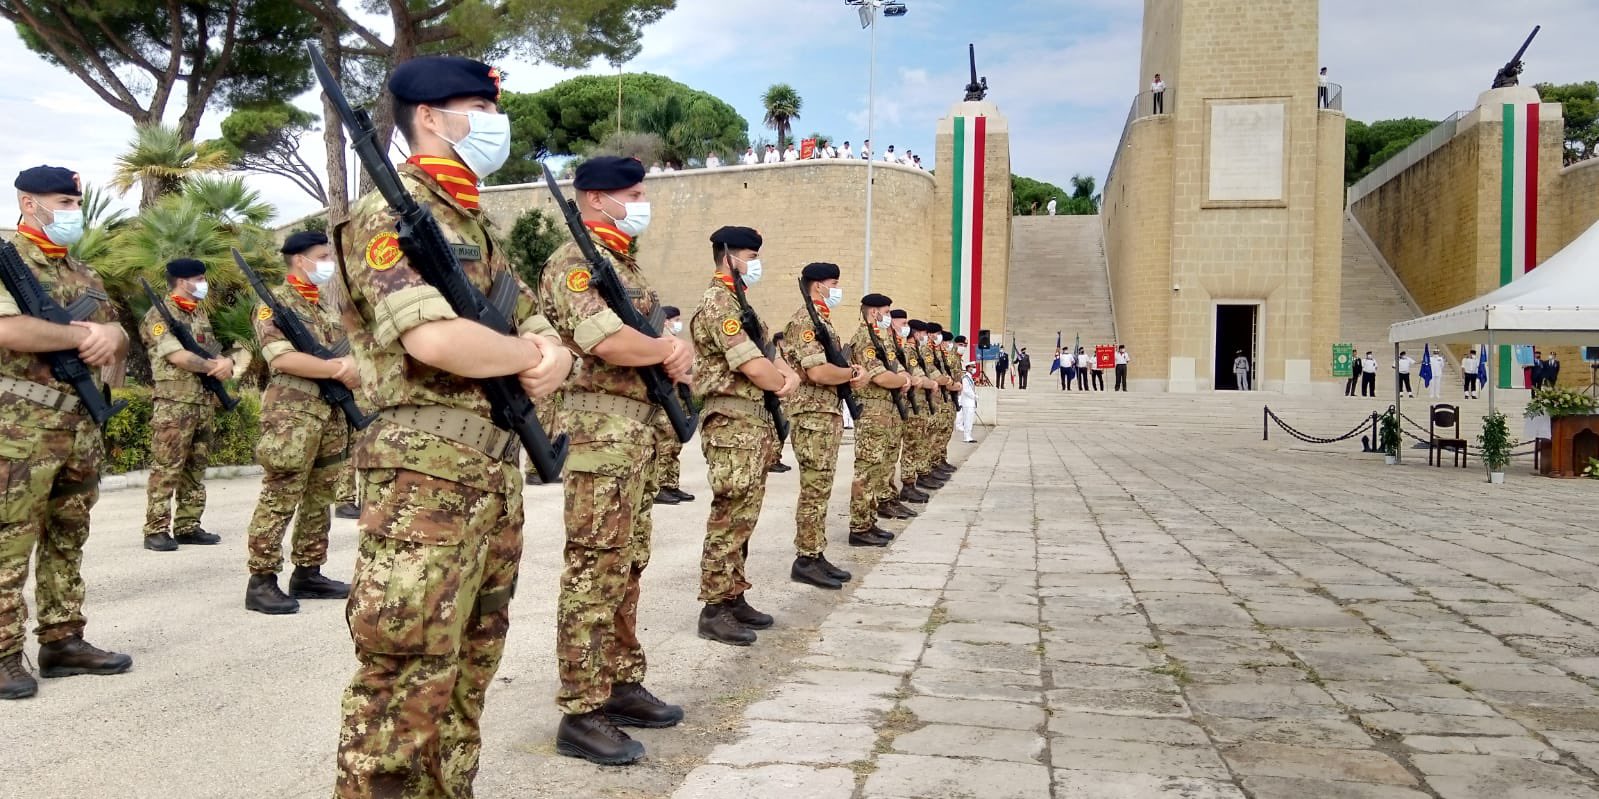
<point>1063,72</point>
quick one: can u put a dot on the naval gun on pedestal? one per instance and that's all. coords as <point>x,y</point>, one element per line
<point>1509,74</point>
<point>977,89</point>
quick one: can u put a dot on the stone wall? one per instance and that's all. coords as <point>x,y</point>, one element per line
<point>809,211</point>
<point>1579,199</point>
<point>1136,210</point>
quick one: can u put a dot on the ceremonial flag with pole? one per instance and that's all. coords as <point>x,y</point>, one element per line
<point>1054,366</point>
<point>1426,364</point>
<point>1482,368</point>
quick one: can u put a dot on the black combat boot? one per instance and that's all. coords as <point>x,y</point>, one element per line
<point>904,511</point>
<point>73,655</point>
<point>810,570</point>
<point>347,510</point>
<point>682,496</point>
<point>717,624</point>
<point>867,538</point>
<point>746,615</point>
<point>632,705</point>
<point>308,582</point>
<point>833,571</point>
<point>264,596</point>
<point>928,482</point>
<point>664,497</point>
<point>908,493</point>
<point>160,542</point>
<point>594,738</point>
<point>15,681</point>
<point>780,467</point>
<point>197,536</point>
<point>887,511</point>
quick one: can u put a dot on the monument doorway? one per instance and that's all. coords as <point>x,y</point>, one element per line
<point>1237,329</point>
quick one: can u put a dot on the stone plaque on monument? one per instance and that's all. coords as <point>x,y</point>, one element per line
<point>1245,152</point>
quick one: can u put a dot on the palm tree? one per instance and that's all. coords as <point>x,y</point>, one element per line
<point>100,224</point>
<point>782,108</point>
<point>161,161</point>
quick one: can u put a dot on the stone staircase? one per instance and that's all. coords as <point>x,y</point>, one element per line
<point>1057,283</point>
<point>1372,300</point>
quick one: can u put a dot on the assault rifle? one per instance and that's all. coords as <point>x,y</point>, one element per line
<point>927,393</point>
<point>882,357</point>
<point>942,368</point>
<point>288,322</point>
<point>185,338</point>
<point>835,356</point>
<point>672,398</point>
<point>757,333</point>
<point>65,365</point>
<point>900,352</point>
<point>429,253</point>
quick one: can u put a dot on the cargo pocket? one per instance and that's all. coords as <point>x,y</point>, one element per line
<point>15,475</point>
<point>418,580</point>
<point>735,454</point>
<point>604,484</point>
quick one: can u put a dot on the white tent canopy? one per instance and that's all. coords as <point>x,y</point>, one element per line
<point>1556,303</point>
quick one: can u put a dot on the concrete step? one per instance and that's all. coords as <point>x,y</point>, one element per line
<point>1058,283</point>
<point>1372,301</point>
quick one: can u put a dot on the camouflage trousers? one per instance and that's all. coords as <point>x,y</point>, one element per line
<point>877,440</point>
<point>303,455</point>
<point>610,489</point>
<point>428,612</point>
<point>668,457</point>
<point>943,432</point>
<point>344,493</point>
<point>180,449</point>
<point>738,452</point>
<point>816,439</point>
<point>49,480</point>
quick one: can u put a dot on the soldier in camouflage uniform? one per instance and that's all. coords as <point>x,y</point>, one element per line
<point>304,440</point>
<point>816,423</point>
<point>927,446</point>
<point>944,351</point>
<point>441,502</point>
<point>349,500</point>
<point>736,433</point>
<point>609,481</point>
<point>668,450</point>
<point>877,429</point>
<point>49,447</point>
<point>903,449</point>
<point>183,413</point>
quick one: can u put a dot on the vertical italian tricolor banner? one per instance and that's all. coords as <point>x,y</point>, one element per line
<point>966,228</point>
<point>1518,208</point>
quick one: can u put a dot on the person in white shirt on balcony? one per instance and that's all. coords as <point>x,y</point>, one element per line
<point>792,153</point>
<point>1321,90</point>
<point>1157,92</point>
<point>711,161</point>
<point>750,158</point>
<point>845,151</point>
<point>772,155</point>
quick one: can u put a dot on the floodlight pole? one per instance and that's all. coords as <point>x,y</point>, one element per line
<point>871,107</point>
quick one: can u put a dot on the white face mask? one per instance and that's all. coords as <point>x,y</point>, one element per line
<point>200,290</point>
<point>487,143</point>
<point>322,273</point>
<point>904,330</point>
<point>752,270</point>
<point>635,216</point>
<point>960,348</point>
<point>884,323</point>
<point>835,295</point>
<point>677,327</point>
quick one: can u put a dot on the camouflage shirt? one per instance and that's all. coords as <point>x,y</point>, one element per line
<point>864,353</point>
<point>722,345</point>
<point>803,351</point>
<point>65,279</point>
<point>909,350</point>
<point>171,382</point>
<point>388,298</point>
<point>284,390</point>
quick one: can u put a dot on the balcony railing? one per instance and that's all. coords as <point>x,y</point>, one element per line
<point>1406,158</point>
<point>1334,99</point>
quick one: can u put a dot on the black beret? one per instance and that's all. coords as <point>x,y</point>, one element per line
<point>934,327</point>
<point>737,238</point>
<point>820,270</point>
<point>946,335</point>
<point>49,180</point>
<point>918,326</point>
<point>876,301</point>
<point>960,339</point>
<point>899,313</point>
<point>303,240</point>
<point>608,173</point>
<point>671,311</point>
<point>436,78</point>
<point>185,267</point>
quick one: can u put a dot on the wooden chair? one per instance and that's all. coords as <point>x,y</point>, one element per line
<point>1441,419</point>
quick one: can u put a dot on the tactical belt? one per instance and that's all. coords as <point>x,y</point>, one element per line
<point>642,412</point>
<point>329,460</point>
<point>462,427</point>
<point>40,395</point>
<point>297,383</point>
<point>736,407</point>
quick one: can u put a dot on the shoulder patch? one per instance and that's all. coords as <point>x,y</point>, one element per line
<point>871,352</point>
<point>730,327</point>
<point>383,251</point>
<point>265,313</point>
<point>808,336</point>
<point>577,279</point>
<point>158,329</point>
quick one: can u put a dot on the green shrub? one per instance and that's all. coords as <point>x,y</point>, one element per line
<point>127,435</point>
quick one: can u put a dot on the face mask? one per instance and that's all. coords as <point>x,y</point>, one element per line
<point>960,348</point>
<point>487,143</point>
<point>677,327</point>
<point>636,217</point>
<point>65,228</point>
<point>322,273</point>
<point>200,290</point>
<point>904,330</point>
<point>752,272</point>
<point>884,323</point>
<point>835,295</point>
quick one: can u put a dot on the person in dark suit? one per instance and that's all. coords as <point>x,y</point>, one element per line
<point>1536,371</point>
<point>1024,364</point>
<point>1001,366</point>
<point>1551,370</point>
<point>1354,377</point>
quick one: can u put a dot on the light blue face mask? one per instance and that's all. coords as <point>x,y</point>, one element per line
<point>65,227</point>
<point>835,295</point>
<point>201,290</point>
<point>487,143</point>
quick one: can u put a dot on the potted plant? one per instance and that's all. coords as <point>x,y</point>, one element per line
<point>1494,443</point>
<point>1388,437</point>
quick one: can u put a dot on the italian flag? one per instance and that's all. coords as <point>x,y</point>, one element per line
<point>1518,207</point>
<point>966,228</point>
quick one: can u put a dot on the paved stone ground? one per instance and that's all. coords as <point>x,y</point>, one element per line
<point>1131,597</point>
